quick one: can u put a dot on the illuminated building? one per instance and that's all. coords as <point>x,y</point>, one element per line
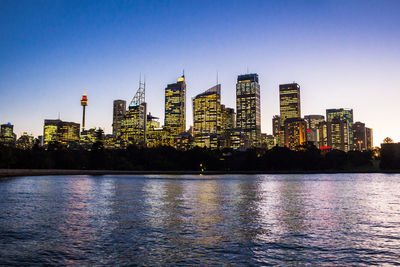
<point>289,102</point>
<point>50,132</point>
<point>133,126</point>
<point>334,134</point>
<point>62,132</point>
<point>119,111</point>
<point>324,137</point>
<point>175,106</point>
<point>228,118</point>
<point>346,114</point>
<point>207,117</point>
<point>248,115</point>
<point>109,142</point>
<point>156,135</point>
<point>340,133</point>
<point>369,138</point>
<point>25,142</point>
<point>276,125</point>
<point>312,122</point>
<point>267,141</point>
<point>159,137</point>
<point>295,133</point>
<point>88,138</point>
<point>359,136</point>
<point>7,136</point>
<point>239,140</point>
<point>183,141</point>
<point>84,103</point>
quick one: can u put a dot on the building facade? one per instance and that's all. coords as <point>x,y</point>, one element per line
<point>289,102</point>
<point>369,138</point>
<point>295,133</point>
<point>248,114</point>
<point>175,107</point>
<point>276,125</point>
<point>61,132</point>
<point>119,111</point>
<point>207,117</point>
<point>359,136</point>
<point>7,136</point>
<point>312,122</point>
<point>342,113</point>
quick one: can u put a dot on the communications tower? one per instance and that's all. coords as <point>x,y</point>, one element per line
<point>84,103</point>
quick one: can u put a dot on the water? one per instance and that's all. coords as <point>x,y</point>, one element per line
<point>322,219</point>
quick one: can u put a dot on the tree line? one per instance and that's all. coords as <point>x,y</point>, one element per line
<point>309,158</point>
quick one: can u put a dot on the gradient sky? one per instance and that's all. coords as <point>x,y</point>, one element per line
<point>342,53</point>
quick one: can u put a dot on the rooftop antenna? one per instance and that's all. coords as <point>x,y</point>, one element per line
<point>217,77</point>
<point>139,97</point>
<point>183,73</point>
<point>247,69</point>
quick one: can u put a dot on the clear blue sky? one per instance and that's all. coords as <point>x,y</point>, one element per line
<point>342,53</point>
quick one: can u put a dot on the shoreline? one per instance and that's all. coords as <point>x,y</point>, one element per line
<point>4,173</point>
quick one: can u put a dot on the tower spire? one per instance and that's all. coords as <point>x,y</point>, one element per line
<point>84,103</point>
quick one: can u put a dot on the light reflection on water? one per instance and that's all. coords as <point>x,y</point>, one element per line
<point>322,219</point>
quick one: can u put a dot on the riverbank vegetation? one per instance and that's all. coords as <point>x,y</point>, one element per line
<point>197,159</point>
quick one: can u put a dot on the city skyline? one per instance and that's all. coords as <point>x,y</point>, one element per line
<point>342,68</point>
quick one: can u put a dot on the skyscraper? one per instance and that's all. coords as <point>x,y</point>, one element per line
<point>369,138</point>
<point>334,134</point>
<point>248,114</point>
<point>207,117</point>
<point>342,113</point>
<point>289,102</point>
<point>359,136</point>
<point>119,111</point>
<point>61,132</point>
<point>7,136</point>
<point>312,122</point>
<point>295,133</point>
<point>340,134</point>
<point>276,125</point>
<point>133,126</point>
<point>175,107</point>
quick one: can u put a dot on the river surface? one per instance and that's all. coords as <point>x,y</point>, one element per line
<point>237,220</point>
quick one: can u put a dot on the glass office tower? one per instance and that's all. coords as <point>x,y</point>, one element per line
<point>248,114</point>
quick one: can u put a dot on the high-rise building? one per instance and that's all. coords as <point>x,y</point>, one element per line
<point>312,122</point>
<point>324,135</point>
<point>346,114</point>
<point>359,136</point>
<point>50,131</point>
<point>119,111</point>
<point>207,117</point>
<point>248,114</point>
<point>276,125</point>
<point>133,126</point>
<point>7,136</point>
<point>369,138</point>
<point>340,133</point>
<point>228,118</point>
<point>334,134</point>
<point>84,103</point>
<point>68,133</point>
<point>175,107</point>
<point>61,132</point>
<point>295,133</point>
<point>289,102</point>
